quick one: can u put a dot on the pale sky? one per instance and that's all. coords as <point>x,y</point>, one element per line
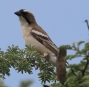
<point>63,20</point>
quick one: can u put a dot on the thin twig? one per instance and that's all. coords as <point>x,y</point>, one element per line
<point>87,24</point>
<point>72,69</point>
<point>73,72</point>
<point>84,70</point>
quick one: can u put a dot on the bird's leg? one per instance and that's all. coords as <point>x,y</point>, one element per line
<point>44,55</point>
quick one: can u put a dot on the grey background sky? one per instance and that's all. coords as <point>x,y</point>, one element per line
<point>63,20</point>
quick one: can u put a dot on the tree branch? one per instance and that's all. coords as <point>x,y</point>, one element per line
<point>84,70</point>
<point>72,69</point>
<point>73,72</point>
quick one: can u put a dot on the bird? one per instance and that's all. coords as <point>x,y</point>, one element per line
<point>34,35</point>
<point>87,24</point>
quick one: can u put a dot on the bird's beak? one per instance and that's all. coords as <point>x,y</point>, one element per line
<point>18,13</point>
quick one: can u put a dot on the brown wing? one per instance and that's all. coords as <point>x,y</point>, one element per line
<point>45,40</point>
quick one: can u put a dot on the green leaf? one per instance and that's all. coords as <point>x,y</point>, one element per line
<point>65,47</point>
<point>80,42</point>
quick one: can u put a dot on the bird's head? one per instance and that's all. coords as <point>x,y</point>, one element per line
<point>25,16</point>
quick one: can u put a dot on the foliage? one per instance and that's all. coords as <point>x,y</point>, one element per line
<point>77,74</point>
<point>2,84</point>
<point>25,83</point>
<point>24,60</point>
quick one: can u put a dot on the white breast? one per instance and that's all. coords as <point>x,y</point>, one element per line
<point>30,40</point>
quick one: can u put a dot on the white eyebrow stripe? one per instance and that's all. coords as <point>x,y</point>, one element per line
<point>39,33</point>
<point>25,10</point>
